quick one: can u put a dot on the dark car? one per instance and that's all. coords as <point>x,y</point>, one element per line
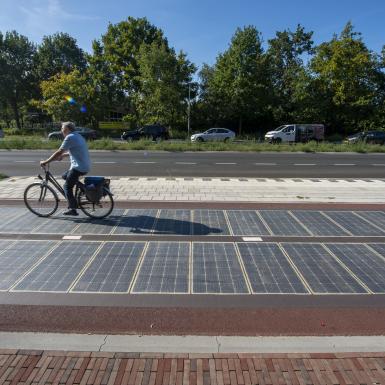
<point>154,132</point>
<point>85,132</point>
<point>372,137</point>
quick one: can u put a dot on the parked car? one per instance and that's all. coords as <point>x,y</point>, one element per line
<point>154,132</point>
<point>296,133</point>
<point>372,137</point>
<point>85,132</point>
<point>214,134</point>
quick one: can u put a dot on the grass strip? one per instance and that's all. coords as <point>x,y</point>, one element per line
<point>37,143</point>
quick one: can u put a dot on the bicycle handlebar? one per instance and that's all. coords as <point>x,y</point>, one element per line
<point>45,167</point>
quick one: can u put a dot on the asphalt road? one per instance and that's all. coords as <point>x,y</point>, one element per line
<point>212,164</point>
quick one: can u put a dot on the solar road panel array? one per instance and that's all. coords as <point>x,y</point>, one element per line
<point>202,222</point>
<point>189,266</point>
<point>192,267</point>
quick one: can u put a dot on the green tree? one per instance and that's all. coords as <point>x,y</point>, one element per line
<point>5,112</point>
<point>17,81</point>
<point>164,79</point>
<point>103,80</point>
<point>58,53</point>
<point>239,85</point>
<point>70,96</point>
<point>119,48</point>
<point>288,74</point>
<point>350,81</point>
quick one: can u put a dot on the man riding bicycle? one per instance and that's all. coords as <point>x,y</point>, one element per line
<point>74,146</point>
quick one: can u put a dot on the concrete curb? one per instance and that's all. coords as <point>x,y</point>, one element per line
<point>190,344</point>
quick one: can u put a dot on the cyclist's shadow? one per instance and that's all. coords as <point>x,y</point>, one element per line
<point>146,224</point>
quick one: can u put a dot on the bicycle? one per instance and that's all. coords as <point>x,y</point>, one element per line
<point>95,201</point>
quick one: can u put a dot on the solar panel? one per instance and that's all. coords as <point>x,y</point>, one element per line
<point>99,226</point>
<point>24,223</point>
<point>318,224</point>
<point>379,247</point>
<point>5,244</point>
<point>18,258</point>
<point>112,269</point>
<point>173,222</point>
<point>376,217</point>
<point>8,215</point>
<point>164,269</point>
<point>246,222</point>
<point>136,221</point>
<point>209,222</point>
<point>268,269</point>
<point>354,224</point>
<point>322,272</point>
<point>282,223</point>
<point>363,262</point>
<point>95,226</point>
<point>57,225</point>
<point>216,269</point>
<point>60,268</point>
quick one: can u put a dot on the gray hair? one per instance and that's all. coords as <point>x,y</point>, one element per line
<point>70,125</point>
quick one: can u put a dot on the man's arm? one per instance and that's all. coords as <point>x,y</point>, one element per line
<point>57,155</point>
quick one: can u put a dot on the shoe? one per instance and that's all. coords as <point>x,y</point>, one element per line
<point>71,212</point>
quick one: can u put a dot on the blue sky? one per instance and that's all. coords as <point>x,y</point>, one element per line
<point>202,28</point>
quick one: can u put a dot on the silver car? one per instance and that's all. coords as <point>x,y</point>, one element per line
<point>214,134</point>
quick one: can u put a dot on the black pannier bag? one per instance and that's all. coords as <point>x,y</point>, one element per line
<point>95,187</point>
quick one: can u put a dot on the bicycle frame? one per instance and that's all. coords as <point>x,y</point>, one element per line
<point>50,178</point>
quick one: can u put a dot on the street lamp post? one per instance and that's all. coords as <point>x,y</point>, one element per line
<point>188,112</point>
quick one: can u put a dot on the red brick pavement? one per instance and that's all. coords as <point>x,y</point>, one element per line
<point>58,367</point>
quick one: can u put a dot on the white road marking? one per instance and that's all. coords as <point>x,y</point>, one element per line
<point>104,162</point>
<point>252,239</point>
<point>265,164</point>
<point>225,163</point>
<point>304,164</point>
<point>25,161</point>
<point>72,237</point>
<point>379,164</point>
<point>145,162</point>
<point>185,163</point>
<point>344,164</point>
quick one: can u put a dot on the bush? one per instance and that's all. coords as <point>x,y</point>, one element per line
<point>335,138</point>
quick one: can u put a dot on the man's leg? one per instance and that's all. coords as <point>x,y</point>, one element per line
<point>71,178</point>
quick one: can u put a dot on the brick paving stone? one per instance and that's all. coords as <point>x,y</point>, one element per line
<point>159,372</point>
<point>213,378</point>
<point>37,367</point>
<point>225,370</point>
<point>199,371</point>
<point>173,371</point>
<point>81,370</point>
<point>32,362</point>
<point>186,372</point>
<point>220,378</point>
<point>147,371</point>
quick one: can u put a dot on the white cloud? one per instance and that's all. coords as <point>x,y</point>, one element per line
<point>48,16</point>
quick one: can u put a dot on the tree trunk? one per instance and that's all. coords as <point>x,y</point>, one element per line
<point>16,115</point>
<point>240,125</point>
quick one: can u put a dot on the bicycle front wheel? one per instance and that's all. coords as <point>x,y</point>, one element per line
<point>96,210</point>
<point>41,199</point>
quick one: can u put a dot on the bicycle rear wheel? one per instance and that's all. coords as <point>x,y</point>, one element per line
<point>97,210</point>
<point>41,199</point>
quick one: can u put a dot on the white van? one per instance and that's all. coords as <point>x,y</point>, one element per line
<point>296,133</point>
